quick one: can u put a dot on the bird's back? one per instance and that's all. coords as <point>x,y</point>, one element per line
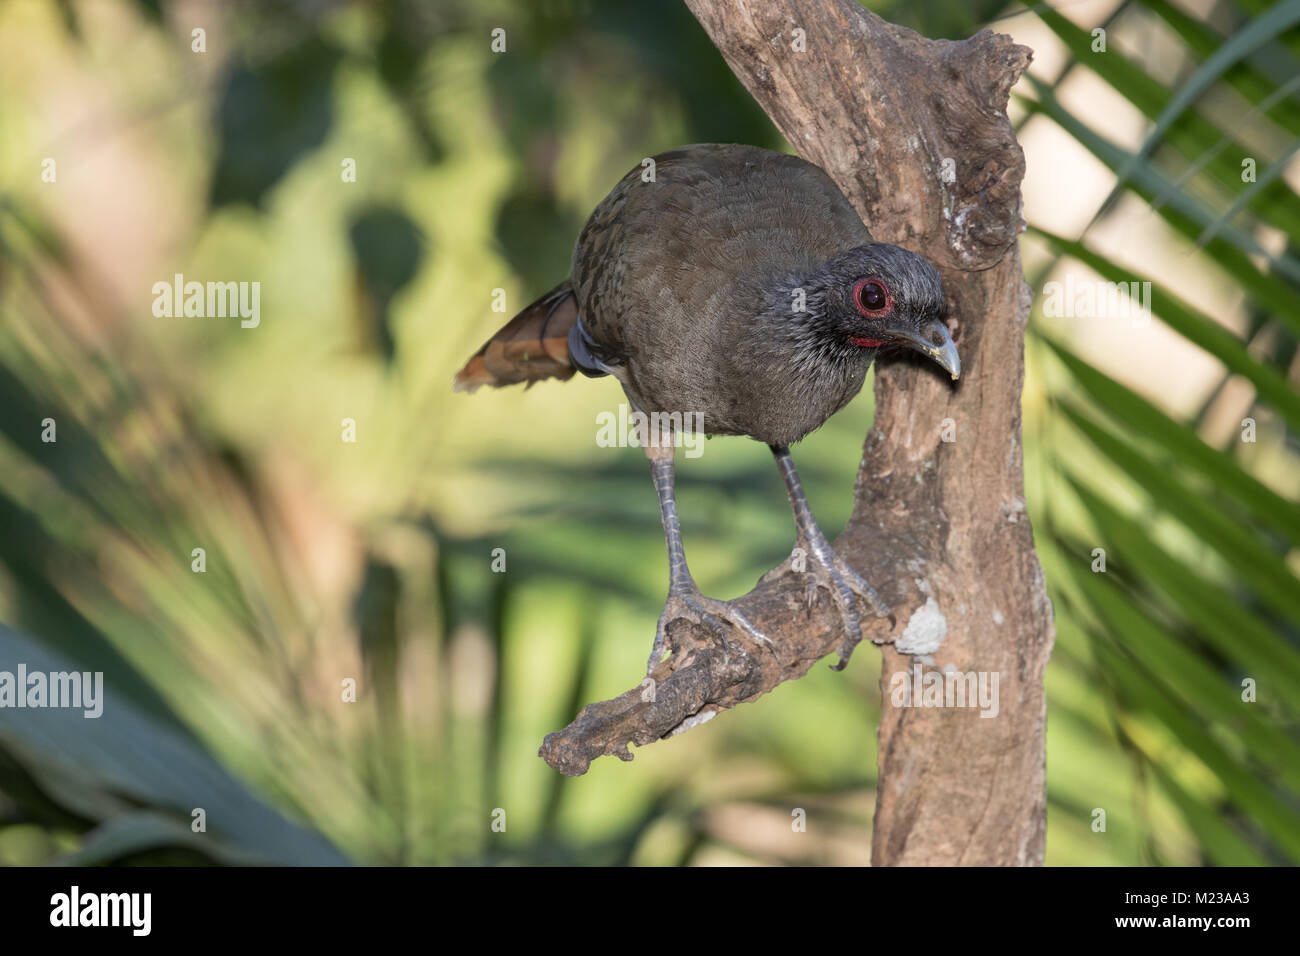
<point>668,271</point>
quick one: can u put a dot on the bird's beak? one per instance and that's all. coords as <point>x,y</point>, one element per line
<point>933,341</point>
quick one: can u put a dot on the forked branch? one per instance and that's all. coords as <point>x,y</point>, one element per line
<point>916,134</point>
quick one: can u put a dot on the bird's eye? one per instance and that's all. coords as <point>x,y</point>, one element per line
<point>871,297</point>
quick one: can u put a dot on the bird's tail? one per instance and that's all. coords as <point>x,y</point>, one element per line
<point>532,346</point>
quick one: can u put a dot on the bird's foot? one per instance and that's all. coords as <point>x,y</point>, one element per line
<point>718,616</point>
<point>828,570</point>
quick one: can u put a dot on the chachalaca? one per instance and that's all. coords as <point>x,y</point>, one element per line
<point>738,284</point>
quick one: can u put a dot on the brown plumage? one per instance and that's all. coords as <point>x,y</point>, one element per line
<point>532,346</point>
<point>739,288</point>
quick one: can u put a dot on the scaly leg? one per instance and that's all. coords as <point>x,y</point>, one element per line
<point>827,568</point>
<point>684,599</point>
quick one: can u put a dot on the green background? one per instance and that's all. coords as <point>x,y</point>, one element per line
<point>328,560</point>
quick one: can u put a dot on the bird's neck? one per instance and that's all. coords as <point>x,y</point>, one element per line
<point>790,350</point>
<point>797,325</point>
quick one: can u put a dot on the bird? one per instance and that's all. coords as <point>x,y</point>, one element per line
<point>737,288</point>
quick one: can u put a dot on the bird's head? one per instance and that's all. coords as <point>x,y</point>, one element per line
<point>877,296</point>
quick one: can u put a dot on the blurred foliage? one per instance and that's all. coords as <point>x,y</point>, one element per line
<point>285,106</point>
<point>329,562</point>
<point>1200,597</point>
<point>388,249</point>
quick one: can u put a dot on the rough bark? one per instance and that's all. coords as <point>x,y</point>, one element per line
<point>915,133</point>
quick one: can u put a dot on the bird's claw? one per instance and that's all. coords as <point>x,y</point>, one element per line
<point>714,614</point>
<point>843,583</point>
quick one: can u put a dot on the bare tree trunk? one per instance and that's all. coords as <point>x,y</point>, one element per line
<point>915,133</point>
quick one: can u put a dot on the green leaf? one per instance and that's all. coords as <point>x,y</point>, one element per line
<point>1271,24</point>
<point>1196,327</point>
<point>1261,78</point>
<point>1262,569</point>
<point>1191,134</point>
<point>1144,691</point>
<point>1240,635</point>
<point>1224,845</point>
<point>1271,173</point>
<point>1142,418</point>
<point>1149,687</point>
<point>1232,250</point>
<point>126,752</point>
<point>145,830</point>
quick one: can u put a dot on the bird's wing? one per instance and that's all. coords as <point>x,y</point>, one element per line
<point>699,219</point>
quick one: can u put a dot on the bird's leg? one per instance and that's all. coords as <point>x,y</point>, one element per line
<point>827,569</point>
<point>684,599</point>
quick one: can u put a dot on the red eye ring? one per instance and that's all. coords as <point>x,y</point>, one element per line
<point>882,289</point>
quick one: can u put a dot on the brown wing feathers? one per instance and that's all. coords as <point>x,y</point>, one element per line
<point>530,347</point>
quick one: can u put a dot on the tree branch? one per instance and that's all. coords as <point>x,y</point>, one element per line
<point>915,132</point>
